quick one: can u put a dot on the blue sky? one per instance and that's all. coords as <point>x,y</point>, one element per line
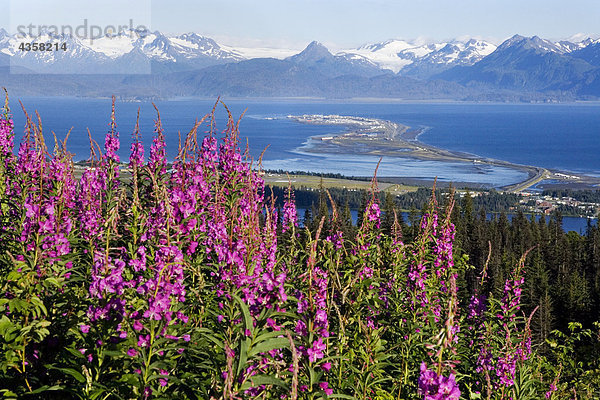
<point>336,23</point>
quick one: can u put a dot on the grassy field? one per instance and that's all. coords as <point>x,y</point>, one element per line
<point>310,181</point>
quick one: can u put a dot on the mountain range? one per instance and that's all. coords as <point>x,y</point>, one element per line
<point>152,64</point>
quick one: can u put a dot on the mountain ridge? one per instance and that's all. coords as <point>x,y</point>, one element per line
<point>158,65</point>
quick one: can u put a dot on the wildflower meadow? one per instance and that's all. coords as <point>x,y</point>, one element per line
<point>154,279</point>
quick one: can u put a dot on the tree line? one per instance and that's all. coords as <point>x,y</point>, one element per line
<point>562,270</point>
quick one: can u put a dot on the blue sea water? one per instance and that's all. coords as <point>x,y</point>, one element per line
<point>563,136</point>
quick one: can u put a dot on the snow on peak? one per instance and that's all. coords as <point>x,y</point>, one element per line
<point>397,54</point>
<point>113,46</point>
<point>260,52</point>
<point>532,43</point>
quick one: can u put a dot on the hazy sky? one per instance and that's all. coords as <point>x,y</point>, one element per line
<point>336,23</point>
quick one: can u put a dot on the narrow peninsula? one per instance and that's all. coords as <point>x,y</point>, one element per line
<point>376,137</point>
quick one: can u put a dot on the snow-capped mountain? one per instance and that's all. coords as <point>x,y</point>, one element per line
<point>67,55</point>
<point>534,43</point>
<point>567,47</point>
<point>191,64</point>
<point>449,56</point>
<point>127,52</point>
<point>543,45</point>
<point>458,53</point>
<point>155,52</point>
<point>388,54</point>
<point>527,64</point>
<point>260,52</point>
<point>402,56</point>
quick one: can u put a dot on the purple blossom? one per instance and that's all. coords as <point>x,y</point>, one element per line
<point>551,391</point>
<point>136,151</point>
<point>158,160</point>
<point>143,340</point>
<point>373,213</point>
<point>132,352</point>
<point>6,136</point>
<point>325,387</point>
<point>290,217</point>
<point>138,326</point>
<point>434,387</point>
<point>316,351</point>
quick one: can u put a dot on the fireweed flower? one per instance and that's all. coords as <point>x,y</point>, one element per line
<point>48,202</point>
<point>111,140</point>
<point>136,158</point>
<point>107,286</point>
<point>316,351</point>
<point>89,199</point>
<point>290,217</point>
<point>158,157</point>
<point>318,312</point>
<point>443,249</point>
<point>136,151</point>
<point>367,243</point>
<point>437,240</point>
<point>112,144</point>
<point>166,288</point>
<point>552,388</point>
<point>189,195</point>
<point>231,244</point>
<point>434,387</point>
<point>325,387</point>
<point>373,213</point>
<point>511,298</point>
<point>511,353</point>
<point>337,239</point>
<point>6,135</point>
<point>30,160</point>
<point>477,307</point>
<point>58,209</point>
<point>506,368</point>
<point>500,364</point>
<point>7,158</point>
<point>212,210</point>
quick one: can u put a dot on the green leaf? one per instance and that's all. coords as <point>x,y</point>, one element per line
<point>208,334</point>
<point>7,394</point>
<point>69,371</point>
<point>269,344</point>
<point>243,352</point>
<point>245,312</point>
<point>267,380</point>
<point>5,325</point>
<point>267,335</point>
<point>75,353</point>
<point>113,353</point>
<point>52,281</point>
<point>45,389</point>
<point>17,305</point>
<point>130,379</point>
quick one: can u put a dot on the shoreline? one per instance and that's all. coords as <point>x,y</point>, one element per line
<point>376,137</point>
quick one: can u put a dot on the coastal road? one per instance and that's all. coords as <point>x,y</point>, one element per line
<point>540,175</point>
